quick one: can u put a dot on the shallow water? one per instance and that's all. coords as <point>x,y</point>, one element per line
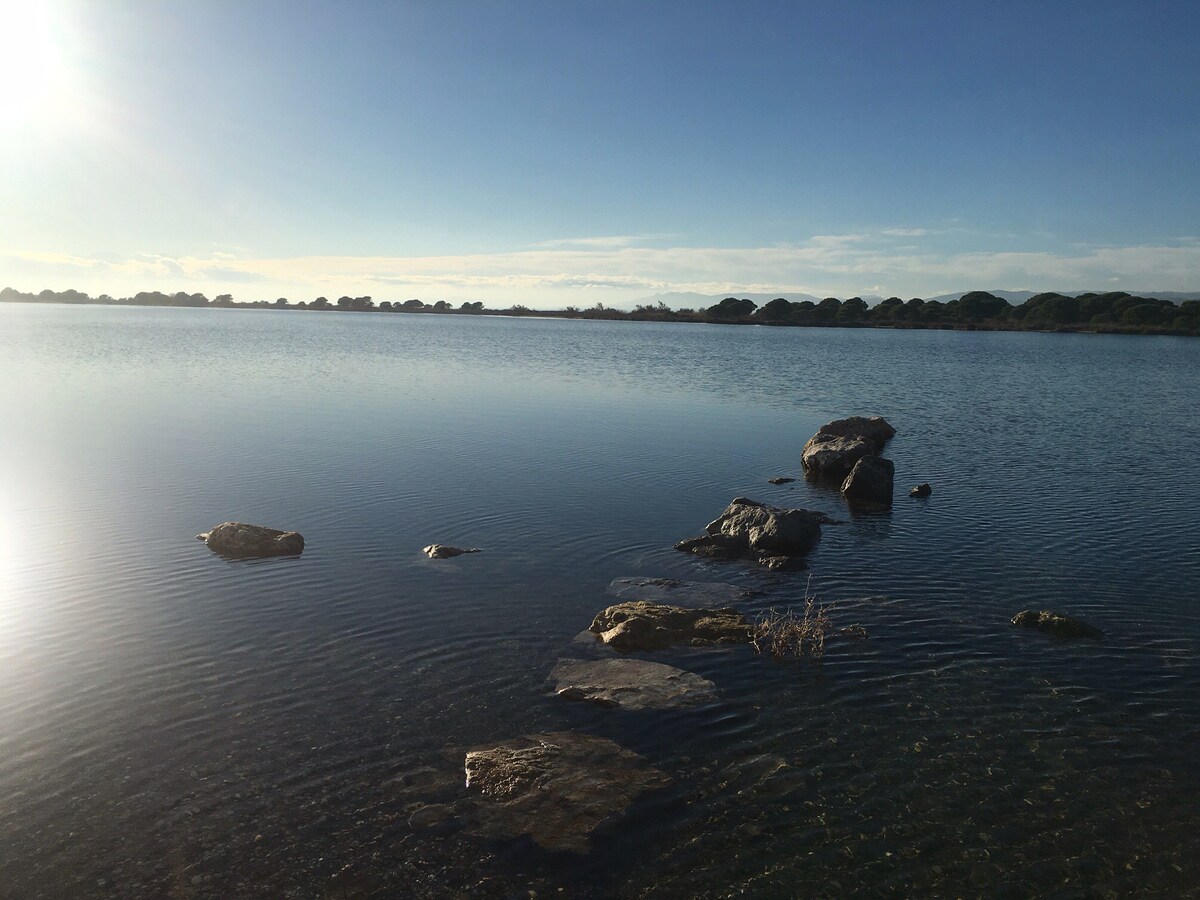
<point>172,724</point>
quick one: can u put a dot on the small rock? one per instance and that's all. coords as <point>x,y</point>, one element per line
<point>921,490</point>
<point>443,551</point>
<point>1056,624</point>
<point>782,479</point>
<point>237,540</point>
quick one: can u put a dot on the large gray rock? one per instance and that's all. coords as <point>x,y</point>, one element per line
<point>629,683</point>
<point>832,457</point>
<point>874,429</point>
<point>238,540</point>
<point>640,625</point>
<point>1056,624</point>
<point>870,479</point>
<point>556,787</point>
<point>753,530</point>
<point>832,452</point>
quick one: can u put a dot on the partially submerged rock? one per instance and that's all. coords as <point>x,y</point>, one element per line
<point>921,490</point>
<point>677,592</point>
<point>782,479</point>
<point>870,479</point>
<point>640,625</point>
<point>557,787</point>
<point>444,551</point>
<point>629,683</point>
<point>832,457</point>
<point>748,529</point>
<point>237,540</point>
<point>1056,624</point>
<point>832,452</point>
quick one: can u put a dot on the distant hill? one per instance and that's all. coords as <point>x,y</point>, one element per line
<point>1018,297</point>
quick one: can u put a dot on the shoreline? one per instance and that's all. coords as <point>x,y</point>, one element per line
<point>943,317</point>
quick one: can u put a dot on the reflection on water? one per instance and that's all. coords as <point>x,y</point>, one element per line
<point>172,724</point>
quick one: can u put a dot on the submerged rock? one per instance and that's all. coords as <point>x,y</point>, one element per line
<point>870,479</point>
<point>832,452</point>
<point>557,787</point>
<point>710,548</point>
<point>629,683</point>
<point>640,625</point>
<point>674,591</point>
<point>238,540</point>
<point>1056,624</point>
<point>443,551</point>
<point>921,490</point>
<point>753,530</point>
<point>431,816</point>
<point>782,479</point>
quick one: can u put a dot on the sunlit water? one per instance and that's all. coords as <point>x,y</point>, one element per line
<point>172,724</point>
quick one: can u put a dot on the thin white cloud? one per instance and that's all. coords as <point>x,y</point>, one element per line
<point>599,243</point>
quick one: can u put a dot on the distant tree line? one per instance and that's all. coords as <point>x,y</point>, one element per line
<point>1117,312</point>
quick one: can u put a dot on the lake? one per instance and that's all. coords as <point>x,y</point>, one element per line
<point>174,724</point>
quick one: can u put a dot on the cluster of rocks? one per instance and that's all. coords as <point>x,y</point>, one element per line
<point>557,788</point>
<point>848,451</point>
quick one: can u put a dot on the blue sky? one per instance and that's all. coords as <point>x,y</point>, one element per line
<point>578,152</point>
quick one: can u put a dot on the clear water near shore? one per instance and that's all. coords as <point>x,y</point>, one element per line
<point>175,725</point>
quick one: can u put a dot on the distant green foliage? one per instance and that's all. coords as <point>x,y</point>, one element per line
<point>731,308</point>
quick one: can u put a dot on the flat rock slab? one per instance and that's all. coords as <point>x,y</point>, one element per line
<point>639,625</point>
<point>444,551</point>
<point>680,593</point>
<point>556,787</point>
<point>629,683</point>
<point>1055,624</point>
<point>237,540</point>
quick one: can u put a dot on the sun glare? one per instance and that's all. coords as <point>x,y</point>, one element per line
<point>32,62</point>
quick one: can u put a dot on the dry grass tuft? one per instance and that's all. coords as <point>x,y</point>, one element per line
<point>787,635</point>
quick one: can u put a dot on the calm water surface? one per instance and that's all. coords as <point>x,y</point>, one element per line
<point>174,725</point>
